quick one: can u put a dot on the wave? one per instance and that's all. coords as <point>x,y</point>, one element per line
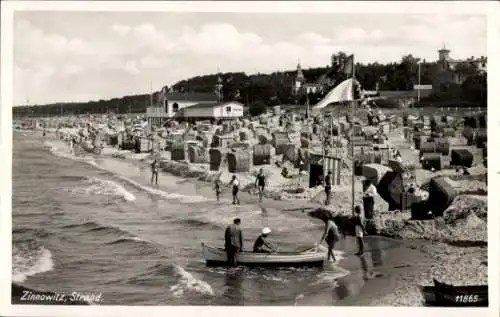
<point>174,196</point>
<point>61,150</point>
<point>196,223</point>
<point>188,283</point>
<point>48,144</point>
<point>104,187</point>
<point>31,233</point>
<point>181,280</point>
<point>71,177</point>
<point>28,259</point>
<point>152,191</point>
<point>128,240</point>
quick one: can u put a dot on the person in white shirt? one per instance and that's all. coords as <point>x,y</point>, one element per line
<point>369,198</point>
<point>236,187</point>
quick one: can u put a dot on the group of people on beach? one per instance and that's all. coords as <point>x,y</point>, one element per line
<point>260,183</point>
<point>233,237</point>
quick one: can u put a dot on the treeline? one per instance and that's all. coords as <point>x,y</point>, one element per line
<point>277,88</point>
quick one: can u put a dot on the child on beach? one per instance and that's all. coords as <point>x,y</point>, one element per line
<point>236,187</point>
<point>217,188</point>
<point>154,172</point>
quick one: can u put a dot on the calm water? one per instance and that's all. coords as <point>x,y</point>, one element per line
<point>95,225</point>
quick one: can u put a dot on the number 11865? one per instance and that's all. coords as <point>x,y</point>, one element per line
<point>466,298</point>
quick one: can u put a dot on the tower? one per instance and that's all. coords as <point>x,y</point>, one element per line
<point>299,79</point>
<point>218,90</point>
<point>444,57</point>
<point>444,54</point>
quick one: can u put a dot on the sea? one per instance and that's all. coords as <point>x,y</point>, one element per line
<point>91,225</point>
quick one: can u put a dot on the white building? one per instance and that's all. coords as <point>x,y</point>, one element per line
<point>449,63</point>
<point>169,104</point>
<point>203,111</point>
<point>173,102</point>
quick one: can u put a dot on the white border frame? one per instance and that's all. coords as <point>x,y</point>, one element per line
<point>489,8</point>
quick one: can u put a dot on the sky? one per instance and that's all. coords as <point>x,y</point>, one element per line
<point>82,56</point>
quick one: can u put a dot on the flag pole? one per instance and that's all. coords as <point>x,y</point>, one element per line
<point>308,131</point>
<point>331,132</point>
<point>338,123</point>
<point>352,133</point>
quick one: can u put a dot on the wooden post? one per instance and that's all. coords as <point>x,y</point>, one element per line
<point>339,169</point>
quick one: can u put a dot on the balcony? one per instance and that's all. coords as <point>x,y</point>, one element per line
<point>155,111</point>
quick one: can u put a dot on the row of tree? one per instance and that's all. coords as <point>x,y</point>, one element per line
<point>278,87</point>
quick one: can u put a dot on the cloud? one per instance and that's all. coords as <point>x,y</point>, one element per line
<point>313,38</point>
<point>152,62</point>
<point>72,69</point>
<point>121,29</point>
<point>32,40</point>
<point>131,68</point>
<point>133,52</point>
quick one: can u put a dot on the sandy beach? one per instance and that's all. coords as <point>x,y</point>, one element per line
<point>449,245</point>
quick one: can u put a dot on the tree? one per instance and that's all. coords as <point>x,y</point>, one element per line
<point>257,108</point>
<point>467,69</point>
<point>474,89</point>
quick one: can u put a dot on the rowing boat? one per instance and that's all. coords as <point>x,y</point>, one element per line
<point>311,257</point>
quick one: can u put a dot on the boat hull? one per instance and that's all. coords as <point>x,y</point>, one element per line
<point>310,258</point>
<point>455,296</point>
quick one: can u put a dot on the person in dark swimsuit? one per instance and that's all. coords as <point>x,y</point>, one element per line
<point>260,183</point>
<point>154,172</point>
<point>331,235</point>
<point>73,145</point>
<point>328,187</point>
<point>217,188</point>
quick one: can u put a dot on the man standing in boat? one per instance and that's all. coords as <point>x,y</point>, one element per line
<point>233,241</point>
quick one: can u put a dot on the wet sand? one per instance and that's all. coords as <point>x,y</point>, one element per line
<point>383,276</point>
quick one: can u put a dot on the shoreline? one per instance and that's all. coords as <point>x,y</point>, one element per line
<point>441,259</point>
<point>444,261</point>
